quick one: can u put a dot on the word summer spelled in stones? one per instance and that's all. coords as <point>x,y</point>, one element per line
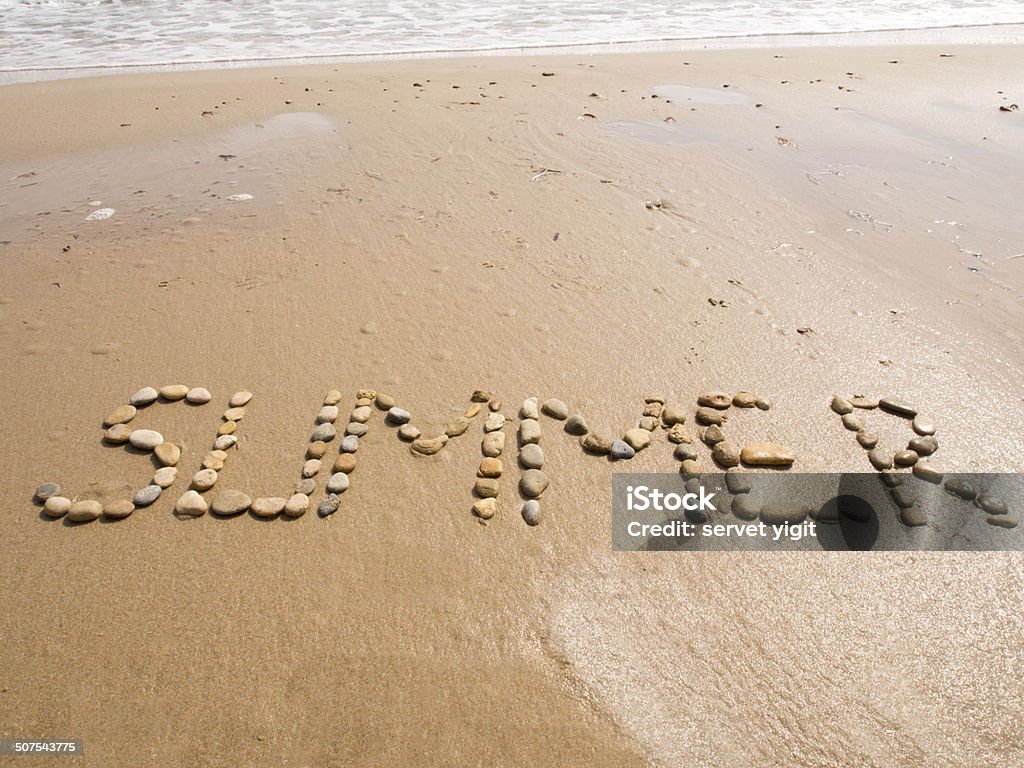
<point>658,420</point>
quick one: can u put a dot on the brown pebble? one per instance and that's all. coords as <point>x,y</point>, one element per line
<point>490,467</point>
<point>905,458</point>
<point>316,449</point>
<point>346,462</point>
<point>913,517</point>
<point>767,455</point>
<point>867,440</point>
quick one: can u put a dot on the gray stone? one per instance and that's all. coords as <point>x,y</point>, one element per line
<point>531,456</point>
<point>230,503</point>
<point>891,479</point>
<point>621,451</point>
<point>532,512</point>
<point>685,451</point>
<point>533,483</point>
<point>853,422</point>
<point>493,444</point>
<point>355,428</point>
<point>494,422</point>
<point>46,490</point>
<point>529,409</point>
<point>576,425</point>
<point>223,442</point>
<point>923,426</point>
<point>324,432</point>
<point>763,403</point>
<point>328,414</point>
<point>145,439</point>
<point>841,405</point>
<point>329,505</point>
<point>338,483</point>
<point>165,476</point>
<point>529,431</point>
<point>240,399</point>
<point>57,506</point>
<point>305,486</point>
<point>143,397</point>
<point>349,444</point>
<point>311,467</point>
<point>556,409</point>
<point>897,406</point>
<point>204,479</point>
<point>398,416</point>
<point>1003,521</point>
<point>198,396</point>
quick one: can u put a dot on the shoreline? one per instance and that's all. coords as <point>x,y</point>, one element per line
<point>965,34</point>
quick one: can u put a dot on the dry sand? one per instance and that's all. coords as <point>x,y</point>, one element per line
<point>407,238</point>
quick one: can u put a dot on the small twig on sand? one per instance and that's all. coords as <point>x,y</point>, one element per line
<point>544,172</point>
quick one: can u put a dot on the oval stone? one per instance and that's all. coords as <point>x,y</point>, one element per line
<point>230,503</point>
<point>242,398</point>
<point>323,433</point>
<point>296,505</point>
<point>529,431</point>
<point>398,415</point>
<point>267,507</point>
<point>1003,521</point>
<point>486,487</point>
<point>780,512</point>
<point>719,400</point>
<point>84,511</point>
<point>144,397</point>
<point>346,462</point>
<point>191,504</point>
<point>234,414</point>
<point>491,467</point>
<point>533,483</point>
<point>532,512</point>
<point>46,490</point>
<point>556,409</point>
<point>311,468</point>
<point>923,426</point>
<point>118,509</point>
<point>146,496</point>
<point>174,392</point>
<point>338,483</point>
<point>165,476</point>
<point>691,468</point>
<point>145,439</point>
<point>204,479</point>
<point>408,433</point>
<point>57,506</point>
<point>927,472</point>
<point>117,434</point>
<point>992,505</point>
<point>486,508</point>
<point>120,415</point>
<point>906,458</point>
<point>841,405</point>
<point>726,454</point>
<point>329,505</point>
<point>198,396</point>
<point>531,456</point>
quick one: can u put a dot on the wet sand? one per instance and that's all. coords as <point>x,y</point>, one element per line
<point>844,221</point>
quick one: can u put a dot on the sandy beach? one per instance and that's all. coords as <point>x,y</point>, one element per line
<point>599,229</point>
